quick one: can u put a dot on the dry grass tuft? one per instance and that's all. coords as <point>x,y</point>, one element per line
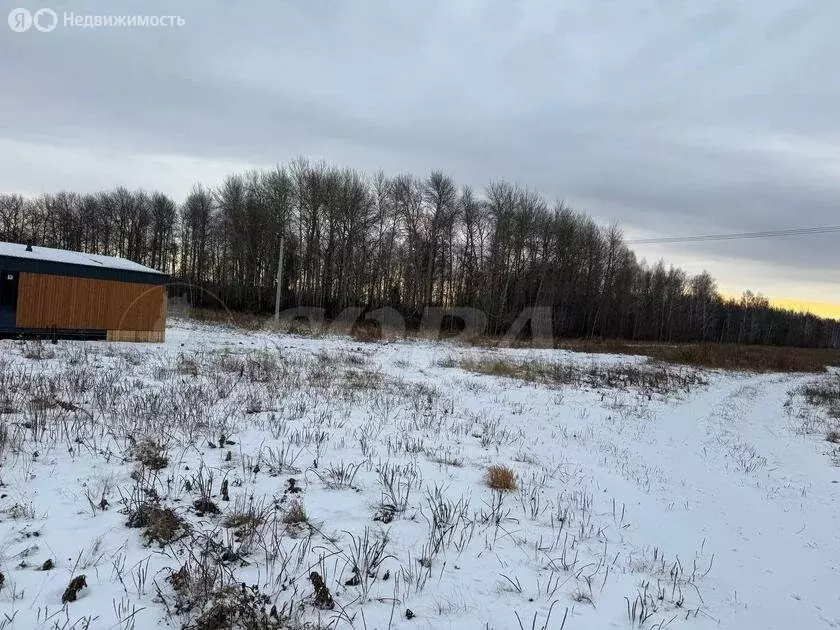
<point>37,350</point>
<point>721,356</point>
<point>302,327</point>
<point>650,378</point>
<point>243,519</point>
<point>500,478</point>
<point>238,319</point>
<point>323,597</point>
<point>205,505</point>
<point>180,579</point>
<point>71,593</point>
<point>240,607</point>
<point>366,331</point>
<point>187,366</point>
<point>500,367</point>
<point>825,393</point>
<point>151,454</point>
<point>160,525</point>
<point>295,514</point>
<point>20,511</point>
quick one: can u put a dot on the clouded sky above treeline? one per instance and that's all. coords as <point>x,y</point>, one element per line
<point>673,117</point>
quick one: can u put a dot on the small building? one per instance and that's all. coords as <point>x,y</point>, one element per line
<point>54,293</point>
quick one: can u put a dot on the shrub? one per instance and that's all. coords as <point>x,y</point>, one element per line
<point>500,478</point>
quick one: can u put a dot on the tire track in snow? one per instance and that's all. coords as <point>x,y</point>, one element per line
<point>760,496</point>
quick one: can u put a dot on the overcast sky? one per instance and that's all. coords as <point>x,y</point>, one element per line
<point>673,117</point>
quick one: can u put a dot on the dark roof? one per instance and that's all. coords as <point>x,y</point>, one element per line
<point>63,262</point>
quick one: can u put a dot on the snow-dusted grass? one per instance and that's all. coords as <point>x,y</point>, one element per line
<point>233,478</point>
<point>816,407</point>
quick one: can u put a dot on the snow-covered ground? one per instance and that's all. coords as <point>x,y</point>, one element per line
<point>702,505</point>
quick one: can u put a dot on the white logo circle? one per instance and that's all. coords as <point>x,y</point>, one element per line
<point>45,20</point>
<point>20,20</point>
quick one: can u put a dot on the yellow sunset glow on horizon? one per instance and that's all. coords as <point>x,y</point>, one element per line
<point>830,310</point>
<point>822,309</point>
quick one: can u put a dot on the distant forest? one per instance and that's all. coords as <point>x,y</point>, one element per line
<point>350,239</point>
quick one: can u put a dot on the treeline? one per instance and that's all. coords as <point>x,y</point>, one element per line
<point>348,239</point>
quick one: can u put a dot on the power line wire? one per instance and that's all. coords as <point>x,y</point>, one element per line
<point>738,235</point>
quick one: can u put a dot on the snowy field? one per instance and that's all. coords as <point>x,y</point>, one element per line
<point>232,479</point>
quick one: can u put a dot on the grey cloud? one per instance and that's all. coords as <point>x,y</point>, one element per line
<point>672,117</point>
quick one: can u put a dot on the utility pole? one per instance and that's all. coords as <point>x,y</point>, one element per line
<point>279,189</point>
<point>279,278</point>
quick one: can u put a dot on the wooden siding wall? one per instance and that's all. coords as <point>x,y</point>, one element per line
<point>46,301</point>
<point>145,336</point>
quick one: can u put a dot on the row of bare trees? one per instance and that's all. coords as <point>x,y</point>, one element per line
<point>346,239</point>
